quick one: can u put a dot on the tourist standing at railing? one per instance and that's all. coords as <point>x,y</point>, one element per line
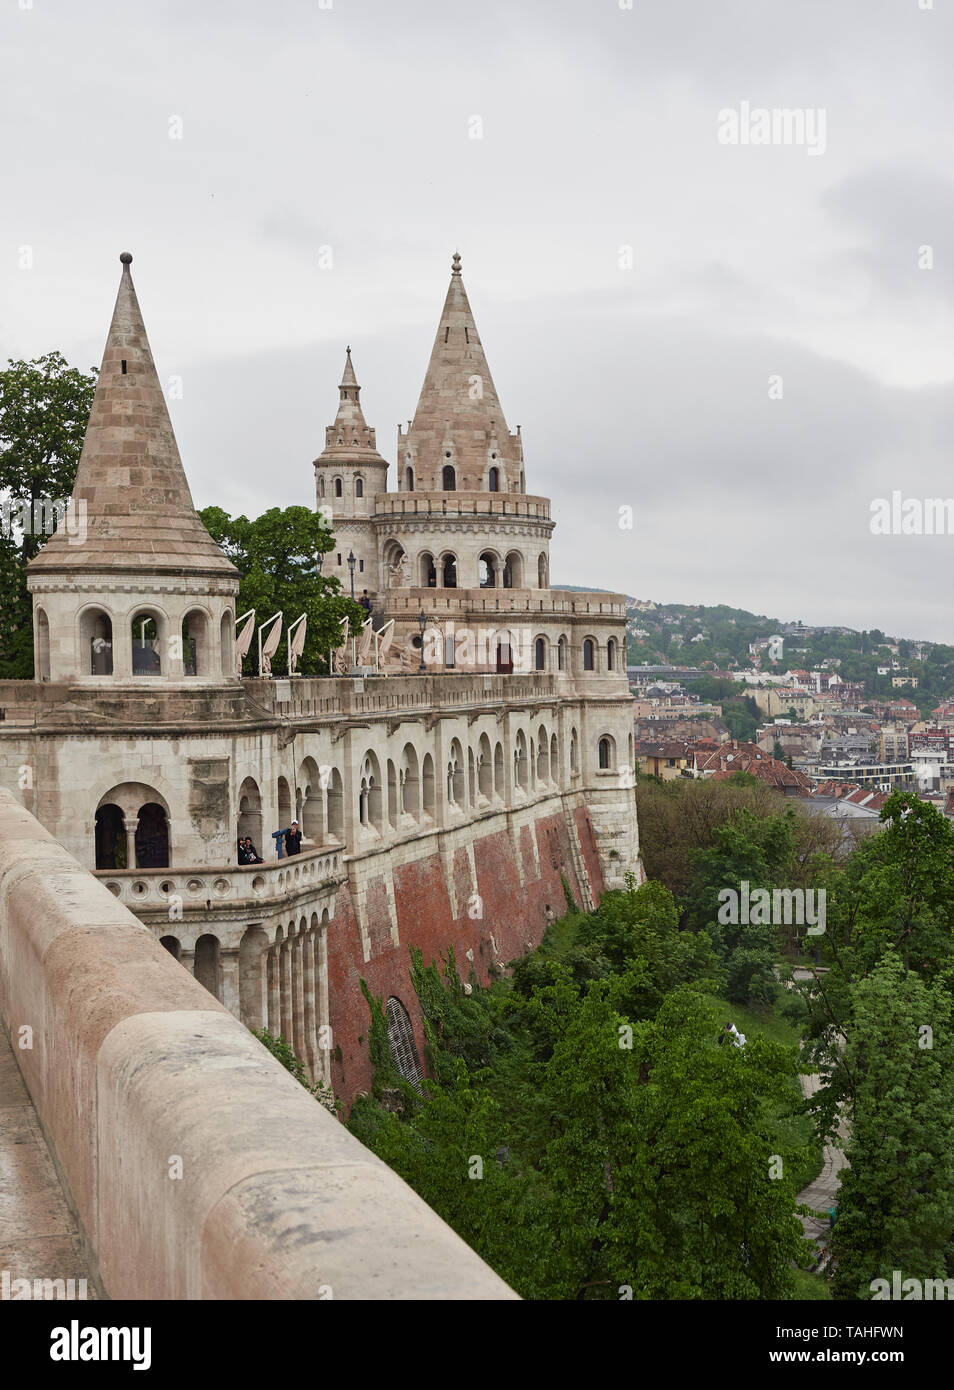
<point>293,839</point>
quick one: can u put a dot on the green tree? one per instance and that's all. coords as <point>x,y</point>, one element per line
<point>896,1200</point>
<point>276,556</point>
<point>44,408</point>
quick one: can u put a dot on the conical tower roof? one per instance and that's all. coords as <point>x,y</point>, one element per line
<point>350,438</point>
<point>458,407</point>
<point>139,513</point>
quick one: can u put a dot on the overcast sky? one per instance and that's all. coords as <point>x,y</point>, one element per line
<point>347,124</point>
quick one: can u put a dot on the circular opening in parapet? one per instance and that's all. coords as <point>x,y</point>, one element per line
<point>115,889</point>
<point>258,884</point>
<point>221,886</point>
<point>195,886</point>
<point>417,641</point>
<point>139,887</point>
<point>166,886</point>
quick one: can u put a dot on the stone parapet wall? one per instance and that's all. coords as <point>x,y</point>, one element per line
<point>136,1071</point>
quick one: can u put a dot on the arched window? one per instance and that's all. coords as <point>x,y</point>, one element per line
<point>513,571</point>
<point>370,799</point>
<point>493,480</point>
<point>147,644</point>
<point>401,1042</point>
<point>321,484</point>
<point>456,791</point>
<point>284,804</point>
<point>410,782</point>
<point>499,770</point>
<point>227,644</point>
<point>543,755</point>
<point>207,963</point>
<point>449,478</point>
<point>487,570</point>
<point>520,760</point>
<point>195,644</point>
<point>605,753</point>
<point>339,488</point>
<point>427,784</point>
<point>313,803</point>
<point>42,646</point>
<point>359,487</point>
<point>250,813</point>
<point>542,572</point>
<point>152,837</point>
<point>335,806</point>
<point>561,654</point>
<point>428,571</point>
<point>449,572</point>
<point>96,640</point>
<point>611,654</point>
<point>111,838</point>
<point>540,654</point>
<point>589,655</point>
<point>172,945</point>
<point>485,768</point>
<point>574,753</point>
<point>409,479</point>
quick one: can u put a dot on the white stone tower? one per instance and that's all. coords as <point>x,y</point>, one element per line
<point>348,473</point>
<point>134,589</point>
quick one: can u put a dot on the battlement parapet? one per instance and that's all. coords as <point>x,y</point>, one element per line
<point>197,1166</point>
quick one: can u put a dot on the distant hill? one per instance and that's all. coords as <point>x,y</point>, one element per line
<point>718,637</point>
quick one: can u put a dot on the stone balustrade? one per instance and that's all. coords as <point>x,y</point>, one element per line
<point>359,697</point>
<point>198,1167</point>
<point>225,884</point>
<point>470,503</point>
<point>540,603</point>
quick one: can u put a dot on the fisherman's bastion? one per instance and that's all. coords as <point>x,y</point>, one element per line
<point>466,764</point>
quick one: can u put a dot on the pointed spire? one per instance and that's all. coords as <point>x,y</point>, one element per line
<point>139,511</point>
<point>350,430</point>
<point>458,400</point>
<point>348,377</point>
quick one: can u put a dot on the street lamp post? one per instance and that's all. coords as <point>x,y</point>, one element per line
<point>422,624</point>
<point>351,564</point>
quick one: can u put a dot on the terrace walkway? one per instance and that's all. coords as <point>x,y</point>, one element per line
<point>39,1238</point>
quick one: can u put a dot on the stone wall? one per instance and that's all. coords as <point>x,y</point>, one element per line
<point>137,1073</point>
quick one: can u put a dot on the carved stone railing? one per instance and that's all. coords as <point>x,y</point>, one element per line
<point>410,505</point>
<point>131,1060</point>
<point>541,603</point>
<point>351,698</point>
<point>225,884</point>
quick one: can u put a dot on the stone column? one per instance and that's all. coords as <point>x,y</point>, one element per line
<point>298,997</point>
<point>310,1057</point>
<point>229,979</point>
<point>187,959</point>
<point>285,1002</point>
<point>131,825</point>
<point>272,982</point>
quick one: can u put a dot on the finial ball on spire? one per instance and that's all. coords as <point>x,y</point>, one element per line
<point>126,257</point>
<point>455,263</point>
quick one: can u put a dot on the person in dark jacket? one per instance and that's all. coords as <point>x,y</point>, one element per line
<point>252,854</point>
<point>365,602</point>
<point>293,839</point>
